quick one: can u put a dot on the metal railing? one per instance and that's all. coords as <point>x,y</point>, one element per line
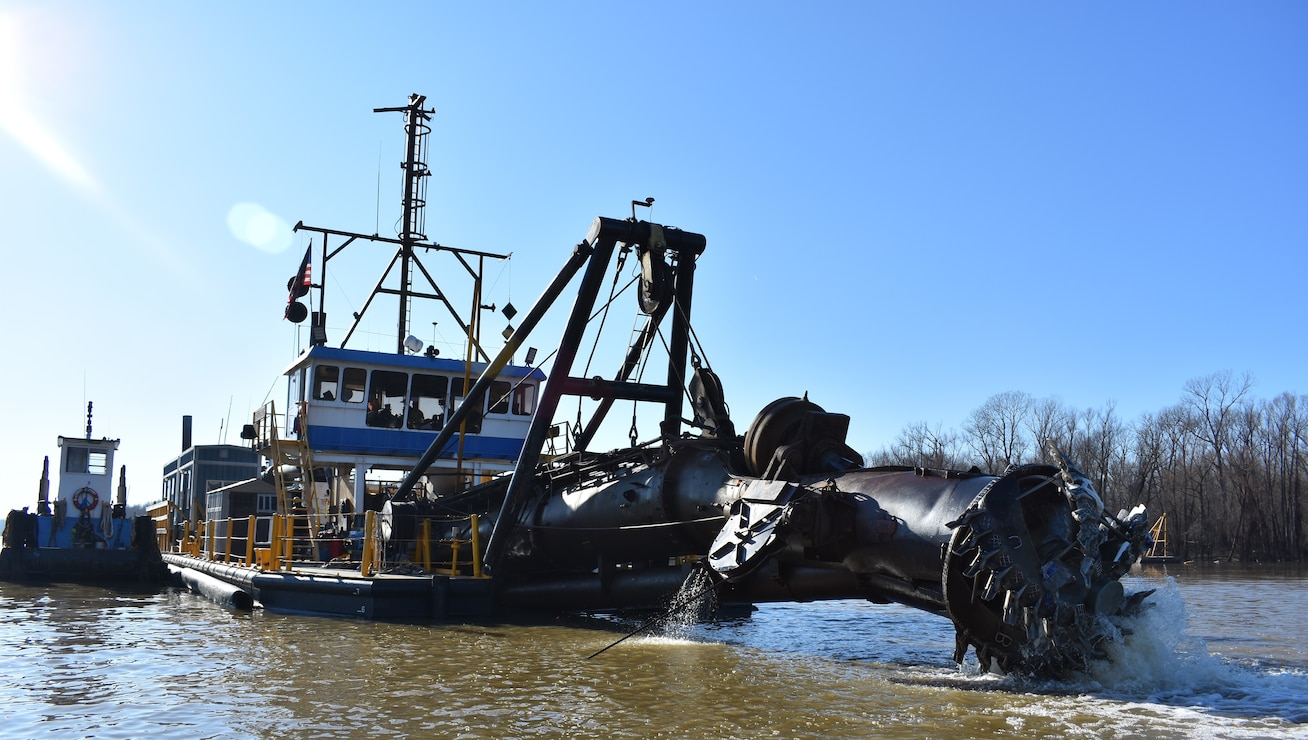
<point>439,545</point>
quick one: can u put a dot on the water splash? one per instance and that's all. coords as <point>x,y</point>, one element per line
<point>695,602</point>
<point>1155,650</point>
<point>1157,661</point>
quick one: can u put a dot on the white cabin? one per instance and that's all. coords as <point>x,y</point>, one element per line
<point>86,468</point>
<point>362,410</point>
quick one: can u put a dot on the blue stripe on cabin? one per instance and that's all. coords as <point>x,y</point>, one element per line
<point>374,441</point>
<point>321,354</point>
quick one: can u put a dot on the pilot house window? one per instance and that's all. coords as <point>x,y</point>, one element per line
<point>355,378</point>
<point>76,460</point>
<point>325,379</point>
<point>83,460</point>
<point>472,424</point>
<point>499,397</point>
<point>427,402</point>
<point>524,399</point>
<point>386,398</point>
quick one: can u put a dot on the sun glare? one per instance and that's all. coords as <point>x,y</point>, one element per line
<point>256,226</point>
<point>18,122</point>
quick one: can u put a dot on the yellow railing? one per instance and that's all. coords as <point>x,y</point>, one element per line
<point>220,541</point>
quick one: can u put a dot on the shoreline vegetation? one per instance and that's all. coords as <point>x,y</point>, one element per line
<point>1228,470</point>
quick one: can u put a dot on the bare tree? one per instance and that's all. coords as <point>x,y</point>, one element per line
<point>1149,439</point>
<point>928,447</point>
<point>1212,399</point>
<point>1106,440</point>
<point>1229,471</point>
<point>994,430</point>
<point>1050,419</point>
<point>921,445</point>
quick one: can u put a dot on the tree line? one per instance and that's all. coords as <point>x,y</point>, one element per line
<point>1227,469</point>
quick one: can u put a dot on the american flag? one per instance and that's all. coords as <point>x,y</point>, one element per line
<point>300,282</point>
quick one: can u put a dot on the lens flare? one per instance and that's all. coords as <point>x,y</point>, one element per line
<point>256,226</point>
<point>17,121</point>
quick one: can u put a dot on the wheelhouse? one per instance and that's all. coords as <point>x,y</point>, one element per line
<point>384,410</point>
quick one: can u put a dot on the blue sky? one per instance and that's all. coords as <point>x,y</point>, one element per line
<point>909,207</point>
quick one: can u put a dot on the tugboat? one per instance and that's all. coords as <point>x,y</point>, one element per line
<point>82,536</point>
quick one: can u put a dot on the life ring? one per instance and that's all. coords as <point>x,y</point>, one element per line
<point>86,499</point>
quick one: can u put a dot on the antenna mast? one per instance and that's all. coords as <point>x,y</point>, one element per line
<point>416,129</point>
<point>412,237</point>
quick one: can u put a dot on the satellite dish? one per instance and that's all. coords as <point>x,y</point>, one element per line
<point>413,344</point>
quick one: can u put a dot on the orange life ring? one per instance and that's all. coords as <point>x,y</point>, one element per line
<point>86,499</point>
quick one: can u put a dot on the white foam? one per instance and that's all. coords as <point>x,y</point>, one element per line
<point>1160,664</point>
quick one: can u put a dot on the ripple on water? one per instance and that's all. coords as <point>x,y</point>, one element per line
<point>173,665</point>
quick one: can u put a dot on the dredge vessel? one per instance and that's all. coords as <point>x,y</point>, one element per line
<point>1026,563</point>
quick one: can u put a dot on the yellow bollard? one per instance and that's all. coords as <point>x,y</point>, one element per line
<point>275,543</point>
<point>476,548</point>
<point>424,547</point>
<point>249,541</point>
<point>367,564</point>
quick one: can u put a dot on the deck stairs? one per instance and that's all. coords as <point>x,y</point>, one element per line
<point>292,467</point>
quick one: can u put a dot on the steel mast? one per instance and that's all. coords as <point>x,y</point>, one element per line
<point>411,237</point>
<point>414,203</point>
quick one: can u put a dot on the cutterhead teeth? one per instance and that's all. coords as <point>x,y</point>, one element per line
<point>974,567</point>
<point>1012,608</point>
<point>968,541</point>
<point>1133,602</point>
<point>1032,623</point>
<point>967,516</point>
<point>960,645</point>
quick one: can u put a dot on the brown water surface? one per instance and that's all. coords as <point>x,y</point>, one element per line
<point>83,662</point>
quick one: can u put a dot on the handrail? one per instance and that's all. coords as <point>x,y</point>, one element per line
<point>437,546</point>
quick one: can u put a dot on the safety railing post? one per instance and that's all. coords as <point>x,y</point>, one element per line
<point>288,541</point>
<point>210,527</point>
<point>368,562</point>
<point>476,548</point>
<point>249,542</point>
<point>424,546</point>
<point>275,543</point>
